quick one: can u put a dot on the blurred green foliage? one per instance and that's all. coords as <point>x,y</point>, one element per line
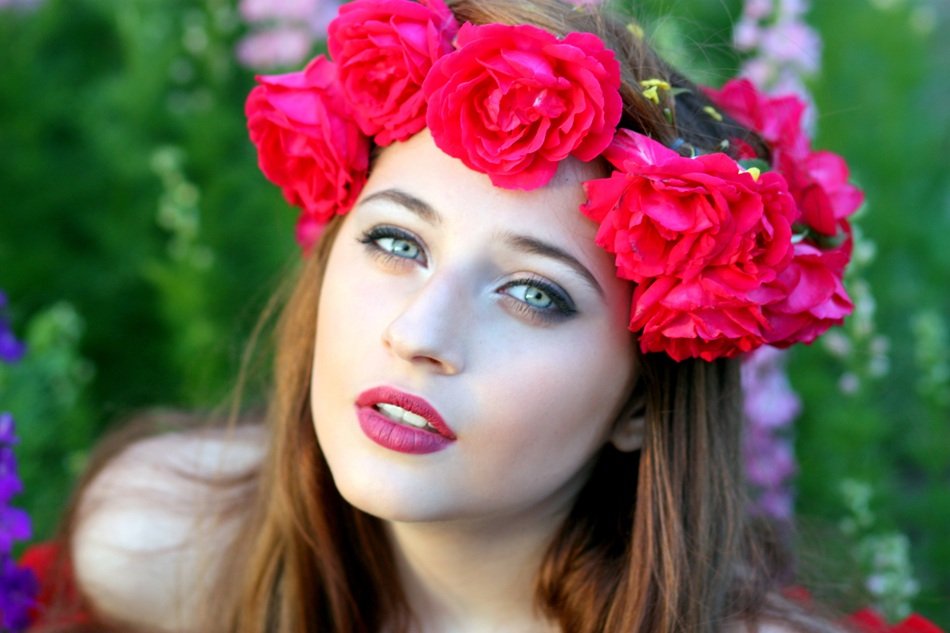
<point>138,241</point>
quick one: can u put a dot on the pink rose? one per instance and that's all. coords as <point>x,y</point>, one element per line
<point>665,214</point>
<point>285,45</point>
<point>778,120</point>
<point>384,50</point>
<point>812,297</point>
<point>306,142</point>
<point>818,181</point>
<point>700,236</point>
<point>513,101</point>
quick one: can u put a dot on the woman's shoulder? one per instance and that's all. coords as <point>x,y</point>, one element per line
<point>153,523</point>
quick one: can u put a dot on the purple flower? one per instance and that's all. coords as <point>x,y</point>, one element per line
<point>10,483</point>
<point>7,430</point>
<point>18,587</point>
<point>14,526</point>
<point>18,590</point>
<point>11,350</point>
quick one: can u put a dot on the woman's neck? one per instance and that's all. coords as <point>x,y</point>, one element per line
<point>467,577</point>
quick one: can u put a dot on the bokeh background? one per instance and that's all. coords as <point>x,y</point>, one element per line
<point>138,244</point>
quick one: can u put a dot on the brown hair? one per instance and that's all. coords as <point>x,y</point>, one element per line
<point>657,540</point>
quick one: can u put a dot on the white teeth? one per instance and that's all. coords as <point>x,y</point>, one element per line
<point>399,414</point>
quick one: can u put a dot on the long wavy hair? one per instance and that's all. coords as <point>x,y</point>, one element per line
<point>658,541</point>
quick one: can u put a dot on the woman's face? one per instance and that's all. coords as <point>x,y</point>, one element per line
<point>492,318</point>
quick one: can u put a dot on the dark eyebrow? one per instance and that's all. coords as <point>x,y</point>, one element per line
<point>537,247</point>
<point>411,203</point>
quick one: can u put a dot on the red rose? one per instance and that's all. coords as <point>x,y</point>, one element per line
<point>812,295</point>
<point>306,142</point>
<point>513,101</point>
<point>700,236</point>
<point>701,317</point>
<point>664,214</point>
<point>818,181</point>
<point>384,50</point>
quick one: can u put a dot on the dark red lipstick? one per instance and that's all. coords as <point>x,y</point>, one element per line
<point>402,422</point>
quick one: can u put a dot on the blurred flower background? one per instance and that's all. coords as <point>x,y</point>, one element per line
<point>138,244</point>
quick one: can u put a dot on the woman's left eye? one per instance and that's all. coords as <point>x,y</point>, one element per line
<point>539,300</point>
<point>532,295</point>
<point>399,247</point>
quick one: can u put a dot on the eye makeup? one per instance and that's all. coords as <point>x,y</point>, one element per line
<point>532,298</point>
<point>393,245</point>
<point>525,294</point>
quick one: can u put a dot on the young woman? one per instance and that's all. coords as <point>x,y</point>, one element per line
<point>506,392</point>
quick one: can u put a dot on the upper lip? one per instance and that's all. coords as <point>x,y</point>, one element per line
<point>409,402</point>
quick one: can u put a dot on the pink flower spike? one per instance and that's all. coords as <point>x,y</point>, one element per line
<point>277,10</point>
<point>273,48</point>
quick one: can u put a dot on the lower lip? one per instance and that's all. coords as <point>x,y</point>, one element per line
<point>399,437</point>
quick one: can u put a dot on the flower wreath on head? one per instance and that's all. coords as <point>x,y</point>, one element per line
<point>725,258</point>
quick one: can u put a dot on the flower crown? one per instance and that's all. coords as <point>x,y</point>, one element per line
<point>726,257</point>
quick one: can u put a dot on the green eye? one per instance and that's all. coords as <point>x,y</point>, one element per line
<point>394,246</point>
<point>539,301</point>
<point>533,296</point>
<point>399,247</point>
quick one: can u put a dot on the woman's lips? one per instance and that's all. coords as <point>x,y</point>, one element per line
<point>402,422</point>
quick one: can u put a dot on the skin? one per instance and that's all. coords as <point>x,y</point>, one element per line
<point>448,308</point>
<point>530,401</point>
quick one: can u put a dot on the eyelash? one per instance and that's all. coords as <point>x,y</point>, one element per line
<point>370,239</point>
<point>562,306</point>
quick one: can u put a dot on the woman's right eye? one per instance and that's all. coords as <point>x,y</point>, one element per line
<point>393,244</point>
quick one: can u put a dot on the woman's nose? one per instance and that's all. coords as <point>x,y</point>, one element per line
<point>426,331</point>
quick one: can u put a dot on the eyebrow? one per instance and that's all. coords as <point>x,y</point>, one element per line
<point>407,201</point>
<point>523,243</point>
<point>535,246</point>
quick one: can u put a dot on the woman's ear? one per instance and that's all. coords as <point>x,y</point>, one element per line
<point>627,434</point>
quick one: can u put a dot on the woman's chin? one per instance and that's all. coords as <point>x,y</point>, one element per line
<point>389,498</point>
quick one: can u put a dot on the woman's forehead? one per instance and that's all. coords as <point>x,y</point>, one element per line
<point>420,169</point>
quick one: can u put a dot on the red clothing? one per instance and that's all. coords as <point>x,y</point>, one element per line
<point>58,600</point>
<point>43,560</point>
<point>868,621</point>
